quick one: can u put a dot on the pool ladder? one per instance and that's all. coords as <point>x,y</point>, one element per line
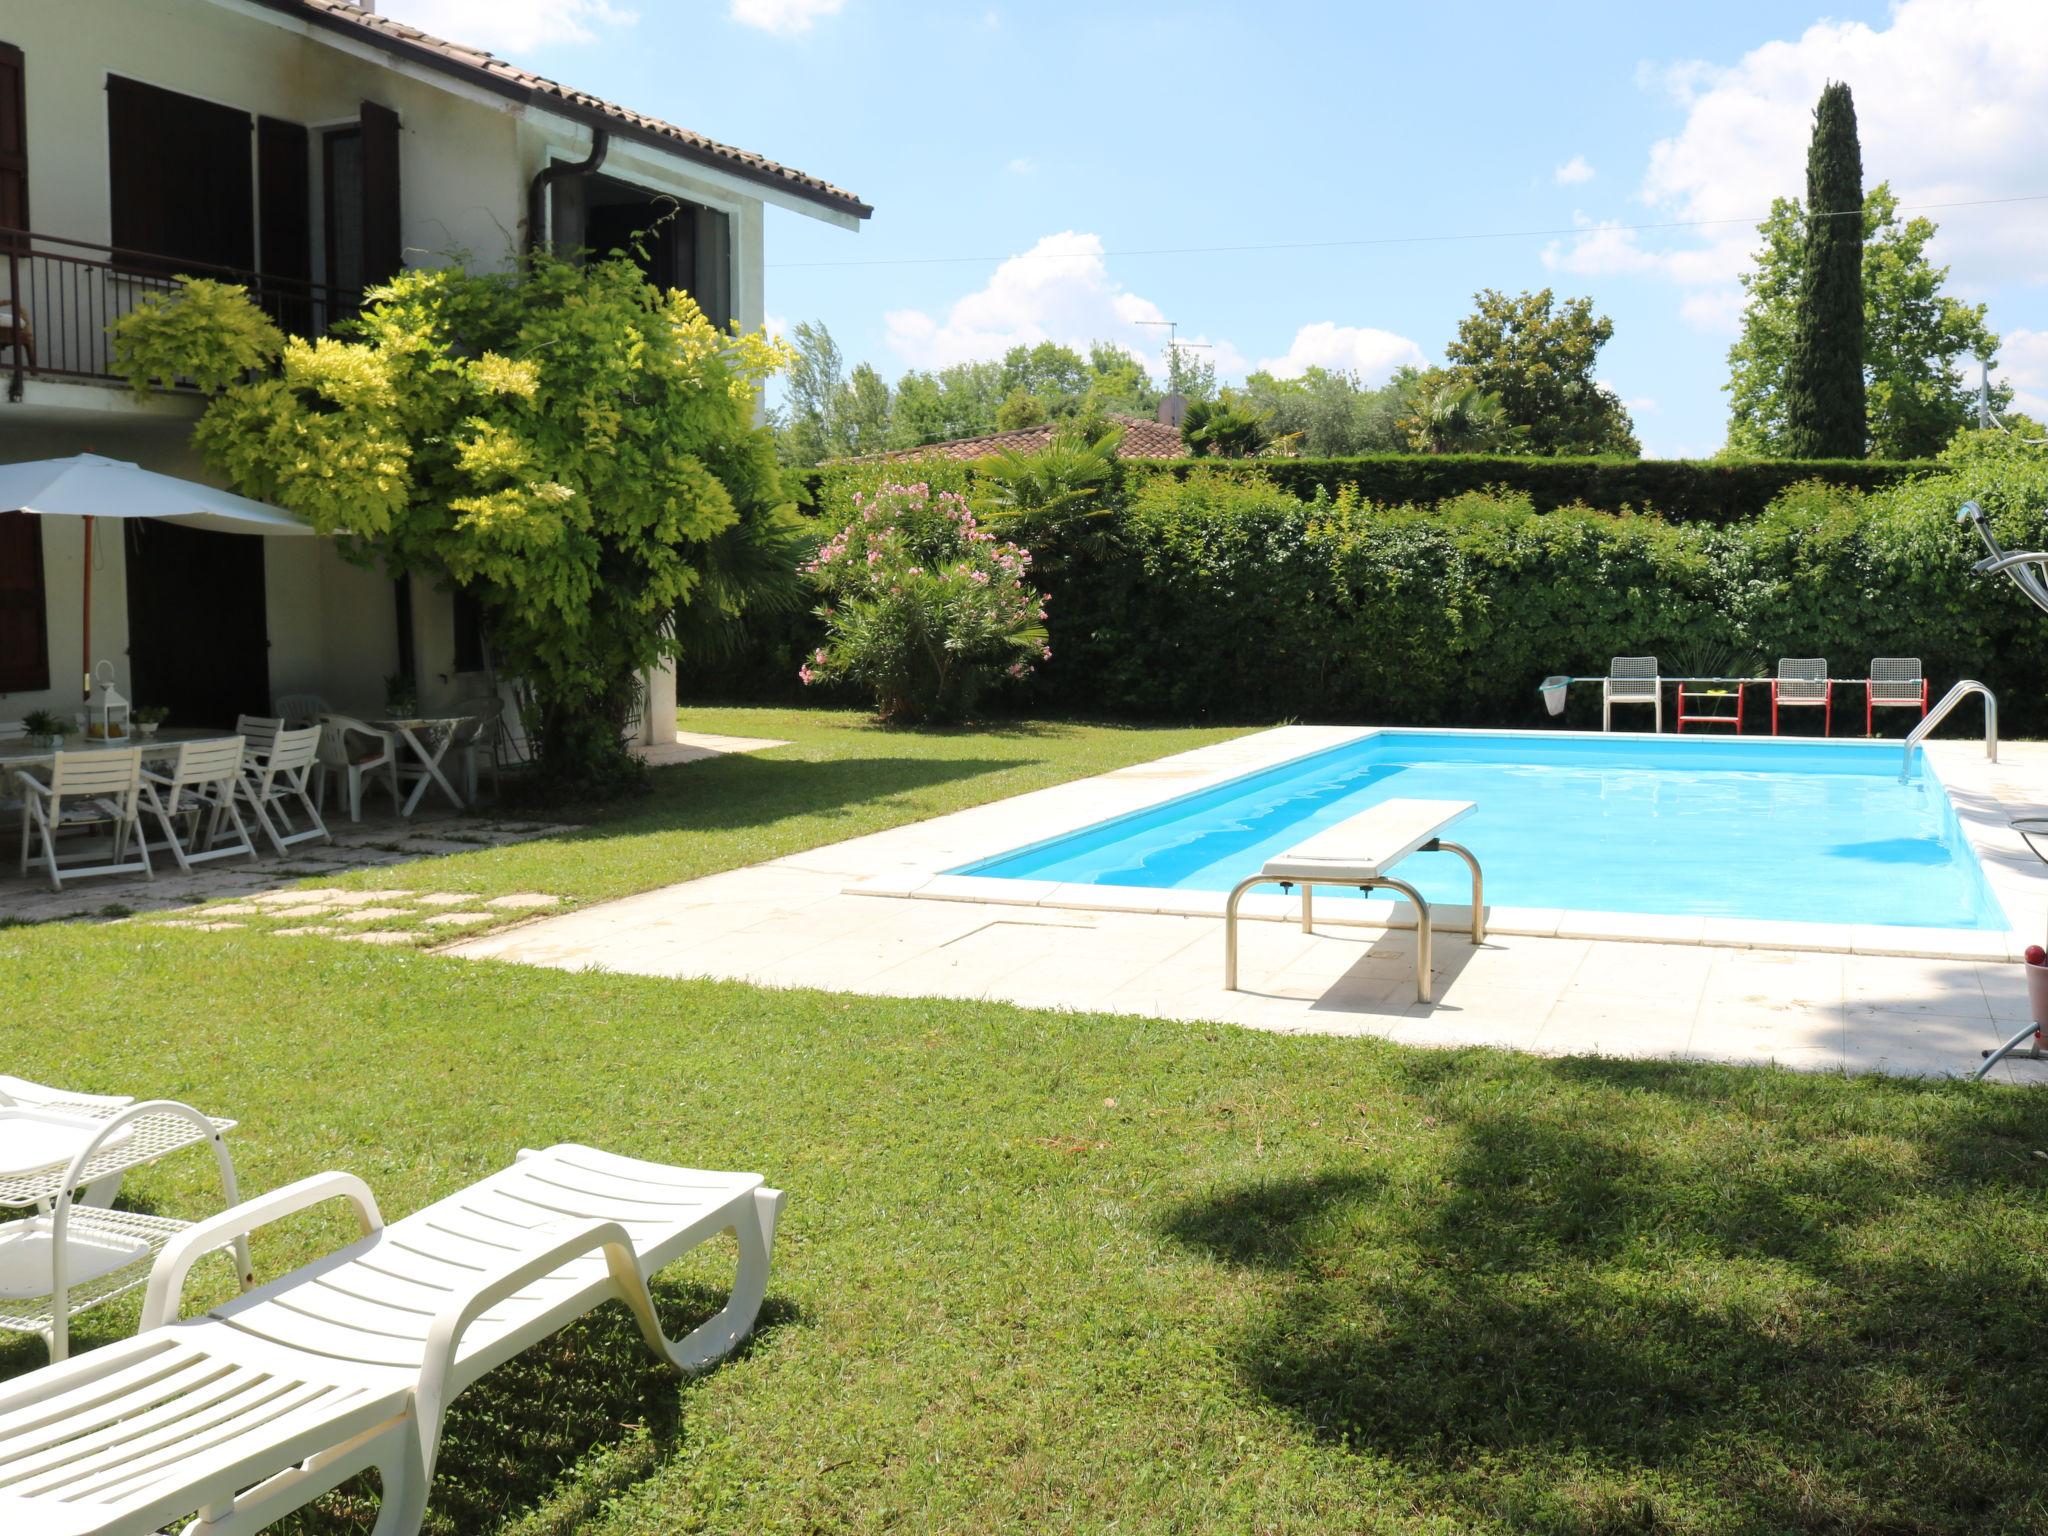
<point>1940,712</point>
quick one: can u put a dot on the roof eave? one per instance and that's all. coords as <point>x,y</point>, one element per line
<point>590,117</point>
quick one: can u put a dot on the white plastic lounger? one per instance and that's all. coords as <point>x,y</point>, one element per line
<point>1359,851</point>
<point>267,1402</point>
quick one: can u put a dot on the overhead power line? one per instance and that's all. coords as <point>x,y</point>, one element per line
<point>1371,240</point>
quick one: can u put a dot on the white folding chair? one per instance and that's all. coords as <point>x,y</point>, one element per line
<point>1631,680</point>
<point>482,736</point>
<point>97,793</point>
<point>258,732</point>
<point>272,783</point>
<point>200,787</point>
<point>1896,682</point>
<point>1802,683</point>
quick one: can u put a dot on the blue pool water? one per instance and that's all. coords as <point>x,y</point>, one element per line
<point>1809,832</point>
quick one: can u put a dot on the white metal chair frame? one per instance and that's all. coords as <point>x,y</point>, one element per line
<point>1803,683</point>
<point>200,785</point>
<point>272,782</point>
<point>338,756</point>
<point>111,781</point>
<point>1896,682</point>
<point>1631,680</point>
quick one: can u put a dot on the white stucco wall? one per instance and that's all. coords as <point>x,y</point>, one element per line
<point>466,158</point>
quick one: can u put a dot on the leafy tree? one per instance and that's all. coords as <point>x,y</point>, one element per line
<point>1914,337</point>
<point>1330,412</point>
<point>861,417</point>
<point>1057,375</point>
<point>960,401</point>
<point>1228,427</point>
<point>1190,374</point>
<point>1118,384</point>
<point>816,379</point>
<point>1445,413</point>
<point>1537,358</point>
<point>1020,409</point>
<point>569,444</point>
<point>1825,405</point>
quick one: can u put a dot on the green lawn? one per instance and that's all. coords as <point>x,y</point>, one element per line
<point>1081,1273</point>
<point>840,776</point>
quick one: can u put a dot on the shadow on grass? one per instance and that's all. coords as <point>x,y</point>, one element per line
<point>1567,1323</point>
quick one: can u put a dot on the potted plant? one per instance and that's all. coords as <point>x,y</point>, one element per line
<point>44,729</point>
<point>401,696</point>
<point>149,718</point>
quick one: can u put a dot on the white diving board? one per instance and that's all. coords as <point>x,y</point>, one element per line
<point>1359,851</point>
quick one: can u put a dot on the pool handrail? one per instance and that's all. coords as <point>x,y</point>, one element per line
<point>1940,712</point>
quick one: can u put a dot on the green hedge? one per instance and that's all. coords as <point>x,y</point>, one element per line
<point>1224,598</point>
<point>1682,490</point>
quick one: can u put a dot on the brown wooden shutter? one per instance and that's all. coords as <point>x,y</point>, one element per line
<point>24,622</point>
<point>13,139</point>
<point>284,210</point>
<point>180,181</point>
<point>383,248</point>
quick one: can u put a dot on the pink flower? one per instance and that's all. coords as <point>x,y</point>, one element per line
<point>805,675</point>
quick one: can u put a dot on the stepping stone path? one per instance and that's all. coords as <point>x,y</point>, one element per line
<point>403,917</point>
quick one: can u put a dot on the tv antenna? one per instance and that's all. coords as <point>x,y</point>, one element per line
<point>1987,418</point>
<point>1173,341</point>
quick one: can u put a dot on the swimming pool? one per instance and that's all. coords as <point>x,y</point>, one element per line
<point>1776,829</point>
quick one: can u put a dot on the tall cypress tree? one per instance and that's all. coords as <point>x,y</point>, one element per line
<point>1824,405</point>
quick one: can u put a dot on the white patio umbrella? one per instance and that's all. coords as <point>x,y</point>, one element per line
<point>91,486</point>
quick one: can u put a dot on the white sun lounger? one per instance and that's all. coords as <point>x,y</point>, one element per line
<point>348,1364</point>
<point>1359,851</point>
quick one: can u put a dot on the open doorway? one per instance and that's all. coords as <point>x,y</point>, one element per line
<point>198,632</point>
<point>678,244</point>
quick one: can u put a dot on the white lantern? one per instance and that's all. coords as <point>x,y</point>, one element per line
<point>109,721</point>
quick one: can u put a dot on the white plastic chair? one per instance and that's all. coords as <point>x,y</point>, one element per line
<point>270,785</point>
<point>200,787</point>
<point>1802,683</point>
<point>483,736</point>
<point>87,790</point>
<point>302,708</point>
<point>1631,680</point>
<point>355,751</point>
<point>349,1364</point>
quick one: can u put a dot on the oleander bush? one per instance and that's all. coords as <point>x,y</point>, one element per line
<point>922,607</point>
<point>1225,595</point>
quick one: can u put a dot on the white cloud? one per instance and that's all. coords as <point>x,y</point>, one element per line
<point>1371,354</point>
<point>1573,171</point>
<point>2023,363</point>
<point>1949,98</point>
<point>775,325</point>
<point>510,25</point>
<point>1059,290</point>
<point>1023,165</point>
<point>787,17</point>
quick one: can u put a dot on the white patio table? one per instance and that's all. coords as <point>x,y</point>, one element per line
<point>72,1254</point>
<point>165,743</point>
<point>428,737</point>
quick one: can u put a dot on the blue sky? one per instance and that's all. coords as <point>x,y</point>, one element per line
<point>1065,147</point>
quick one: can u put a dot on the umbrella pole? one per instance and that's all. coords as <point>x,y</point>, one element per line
<point>88,609</point>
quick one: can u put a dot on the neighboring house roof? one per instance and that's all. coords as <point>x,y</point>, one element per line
<point>479,67</point>
<point>1143,439</point>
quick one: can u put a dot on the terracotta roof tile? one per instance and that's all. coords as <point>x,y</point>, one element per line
<point>495,73</point>
<point>1143,439</point>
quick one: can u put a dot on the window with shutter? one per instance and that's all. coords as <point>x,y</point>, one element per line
<point>24,621</point>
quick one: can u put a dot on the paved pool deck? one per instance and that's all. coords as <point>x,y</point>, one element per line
<point>876,915</point>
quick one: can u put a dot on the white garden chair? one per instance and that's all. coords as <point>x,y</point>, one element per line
<point>272,1399</point>
<point>482,737</point>
<point>258,732</point>
<point>1895,682</point>
<point>302,708</point>
<point>1802,683</point>
<point>271,784</point>
<point>354,751</point>
<point>97,795</point>
<point>1631,680</point>
<point>200,788</point>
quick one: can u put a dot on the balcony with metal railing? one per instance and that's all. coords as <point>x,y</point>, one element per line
<point>58,297</point>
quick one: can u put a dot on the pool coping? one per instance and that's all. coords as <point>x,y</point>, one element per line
<point>1985,797</point>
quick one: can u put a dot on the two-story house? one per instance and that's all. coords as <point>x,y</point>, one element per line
<point>306,148</point>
